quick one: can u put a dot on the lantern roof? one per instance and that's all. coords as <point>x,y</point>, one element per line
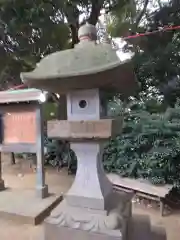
<point>88,65</point>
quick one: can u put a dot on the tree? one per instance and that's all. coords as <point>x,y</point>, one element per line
<point>156,58</point>
<point>126,19</point>
<point>149,146</point>
<point>160,56</point>
<point>29,30</point>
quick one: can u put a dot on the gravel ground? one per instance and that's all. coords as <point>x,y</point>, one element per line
<point>21,176</point>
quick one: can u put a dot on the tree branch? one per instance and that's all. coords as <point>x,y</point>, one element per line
<point>141,14</point>
<point>160,4</point>
<point>74,34</point>
<point>95,11</point>
<point>72,15</point>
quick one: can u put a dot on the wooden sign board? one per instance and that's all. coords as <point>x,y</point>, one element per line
<point>21,121</point>
<point>19,127</point>
<point>1,129</point>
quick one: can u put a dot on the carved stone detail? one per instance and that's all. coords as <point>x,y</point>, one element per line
<point>113,222</point>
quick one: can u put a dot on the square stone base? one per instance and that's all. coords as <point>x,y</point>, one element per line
<point>73,223</point>
<point>64,233</point>
<point>24,206</point>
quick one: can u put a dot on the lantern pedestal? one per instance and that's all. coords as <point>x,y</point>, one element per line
<point>75,223</point>
<point>90,208</point>
<point>91,188</point>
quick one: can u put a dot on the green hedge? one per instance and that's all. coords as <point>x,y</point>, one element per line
<point>149,147</point>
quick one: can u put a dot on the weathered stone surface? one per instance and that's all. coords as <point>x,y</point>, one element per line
<point>54,233</point>
<point>104,129</point>
<point>91,187</point>
<point>89,65</point>
<point>111,223</point>
<point>24,206</point>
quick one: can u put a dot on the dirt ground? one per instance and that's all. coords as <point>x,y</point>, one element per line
<point>21,176</point>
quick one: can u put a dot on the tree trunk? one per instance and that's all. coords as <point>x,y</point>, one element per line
<point>95,12</point>
<point>13,160</point>
<point>74,32</point>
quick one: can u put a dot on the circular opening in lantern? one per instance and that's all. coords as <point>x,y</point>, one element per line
<point>82,103</point>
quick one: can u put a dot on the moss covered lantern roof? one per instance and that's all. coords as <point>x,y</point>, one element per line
<point>88,65</point>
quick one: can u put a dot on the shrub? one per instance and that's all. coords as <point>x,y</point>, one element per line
<point>149,147</point>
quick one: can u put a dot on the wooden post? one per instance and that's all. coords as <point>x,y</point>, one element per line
<point>41,187</point>
<point>1,137</point>
<point>2,187</point>
<point>13,160</point>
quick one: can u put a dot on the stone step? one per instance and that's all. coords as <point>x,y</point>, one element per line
<point>140,228</point>
<point>158,233</point>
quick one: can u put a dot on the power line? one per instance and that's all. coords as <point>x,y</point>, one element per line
<point>151,33</point>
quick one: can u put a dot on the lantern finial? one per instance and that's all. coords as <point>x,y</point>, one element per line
<point>87,32</point>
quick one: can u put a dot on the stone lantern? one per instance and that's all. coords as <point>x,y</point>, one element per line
<point>90,209</point>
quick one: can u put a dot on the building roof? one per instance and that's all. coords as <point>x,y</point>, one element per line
<point>23,95</point>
